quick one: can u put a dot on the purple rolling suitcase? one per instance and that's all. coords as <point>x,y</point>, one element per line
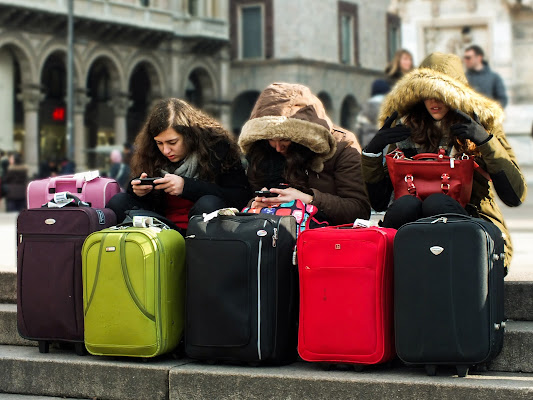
<point>97,192</point>
<point>49,271</point>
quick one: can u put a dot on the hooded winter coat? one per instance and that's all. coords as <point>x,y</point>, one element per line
<point>441,77</point>
<point>291,111</point>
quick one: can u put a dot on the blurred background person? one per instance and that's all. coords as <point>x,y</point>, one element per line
<point>14,183</point>
<point>119,170</point>
<point>400,65</point>
<point>481,77</point>
<point>366,122</point>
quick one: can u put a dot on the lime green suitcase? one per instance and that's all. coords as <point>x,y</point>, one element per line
<point>133,291</point>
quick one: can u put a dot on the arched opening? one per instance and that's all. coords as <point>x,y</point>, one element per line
<point>52,113</point>
<point>199,90</point>
<point>241,109</point>
<point>99,115</point>
<point>140,93</point>
<point>349,110</point>
<point>325,98</point>
<point>11,110</point>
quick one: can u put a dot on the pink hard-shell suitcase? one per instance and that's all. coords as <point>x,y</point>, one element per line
<point>97,191</point>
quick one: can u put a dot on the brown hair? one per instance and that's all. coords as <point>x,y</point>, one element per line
<point>426,132</point>
<point>201,134</point>
<point>393,70</point>
<point>268,167</point>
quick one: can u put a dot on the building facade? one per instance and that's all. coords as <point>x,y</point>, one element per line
<point>337,48</point>
<point>216,54</point>
<point>503,28</point>
<point>127,53</point>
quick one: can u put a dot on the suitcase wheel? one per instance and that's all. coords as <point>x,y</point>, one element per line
<point>80,349</point>
<point>44,346</point>
<point>483,367</point>
<point>358,367</point>
<point>462,370</point>
<point>431,370</point>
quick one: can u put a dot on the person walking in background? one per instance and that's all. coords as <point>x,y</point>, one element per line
<point>290,140</point>
<point>481,77</point>
<point>366,123</point>
<point>14,183</point>
<point>400,65</point>
<point>119,170</point>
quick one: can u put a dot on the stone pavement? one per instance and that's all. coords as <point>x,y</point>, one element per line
<point>518,219</point>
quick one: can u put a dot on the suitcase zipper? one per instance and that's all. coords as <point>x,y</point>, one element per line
<point>259,255</point>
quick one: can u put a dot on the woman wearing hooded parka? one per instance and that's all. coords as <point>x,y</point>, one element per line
<point>433,107</point>
<point>290,140</point>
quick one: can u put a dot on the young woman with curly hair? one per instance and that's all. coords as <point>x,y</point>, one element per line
<point>195,159</point>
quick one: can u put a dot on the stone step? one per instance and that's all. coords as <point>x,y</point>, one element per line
<point>8,287</point>
<point>62,373</point>
<point>518,296</point>
<point>516,356</point>
<point>12,396</point>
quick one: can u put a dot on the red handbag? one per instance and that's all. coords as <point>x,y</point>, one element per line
<point>429,173</point>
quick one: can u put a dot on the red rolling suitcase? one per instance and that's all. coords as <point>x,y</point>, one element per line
<point>346,295</point>
<point>49,273</point>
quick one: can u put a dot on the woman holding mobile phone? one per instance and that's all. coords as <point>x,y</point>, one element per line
<point>295,152</point>
<point>195,161</point>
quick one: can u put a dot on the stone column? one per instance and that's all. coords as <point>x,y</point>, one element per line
<point>225,100</point>
<point>7,116</point>
<point>120,103</point>
<point>80,135</point>
<point>31,97</point>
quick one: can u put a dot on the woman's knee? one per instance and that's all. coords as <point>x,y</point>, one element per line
<point>439,203</point>
<point>122,202</point>
<point>403,210</point>
<point>207,204</point>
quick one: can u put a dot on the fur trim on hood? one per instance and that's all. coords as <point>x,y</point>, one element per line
<point>291,111</point>
<point>440,76</point>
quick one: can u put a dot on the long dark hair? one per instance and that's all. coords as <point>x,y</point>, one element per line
<point>268,168</point>
<point>428,133</point>
<point>201,134</point>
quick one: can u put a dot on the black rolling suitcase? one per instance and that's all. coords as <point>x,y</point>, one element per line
<point>49,284</point>
<point>448,292</point>
<point>242,299</point>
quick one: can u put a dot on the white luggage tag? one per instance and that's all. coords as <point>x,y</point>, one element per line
<point>60,200</point>
<point>88,175</point>
<point>362,223</point>
<point>223,211</point>
<point>140,221</point>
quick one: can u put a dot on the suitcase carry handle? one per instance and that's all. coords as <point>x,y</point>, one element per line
<point>67,195</point>
<point>53,183</point>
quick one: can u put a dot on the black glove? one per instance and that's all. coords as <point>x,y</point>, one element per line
<point>387,135</point>
<point>471,129</point>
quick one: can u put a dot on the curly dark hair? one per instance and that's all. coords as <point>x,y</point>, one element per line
<point>268,168</point>
<point>201,134</point>
<point>429,134</point>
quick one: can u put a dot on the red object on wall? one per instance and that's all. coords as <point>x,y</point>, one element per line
<point>58,114</point>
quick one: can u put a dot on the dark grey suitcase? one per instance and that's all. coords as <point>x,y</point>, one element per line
<point>242,289</point>
<point>448,292</point>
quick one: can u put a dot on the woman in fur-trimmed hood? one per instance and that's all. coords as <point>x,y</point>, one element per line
<point>289,139</point>
<point>433,107</point>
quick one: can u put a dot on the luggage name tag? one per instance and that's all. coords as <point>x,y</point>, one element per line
<point>362,223</point>
<point>140,221</point>
<point>60,200</point>
<point>88,175</point>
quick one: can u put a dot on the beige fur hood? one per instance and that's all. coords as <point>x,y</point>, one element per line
<point>293,112</point>
<point>440,76</point>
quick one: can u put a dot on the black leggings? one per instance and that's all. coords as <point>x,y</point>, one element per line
<point>123,202</point>
<point>409,208</point>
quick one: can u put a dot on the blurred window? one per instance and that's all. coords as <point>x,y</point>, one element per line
<point>251,32</point>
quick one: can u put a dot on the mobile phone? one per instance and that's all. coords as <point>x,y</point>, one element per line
<point>148,181</point>
<point>265,193</point>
